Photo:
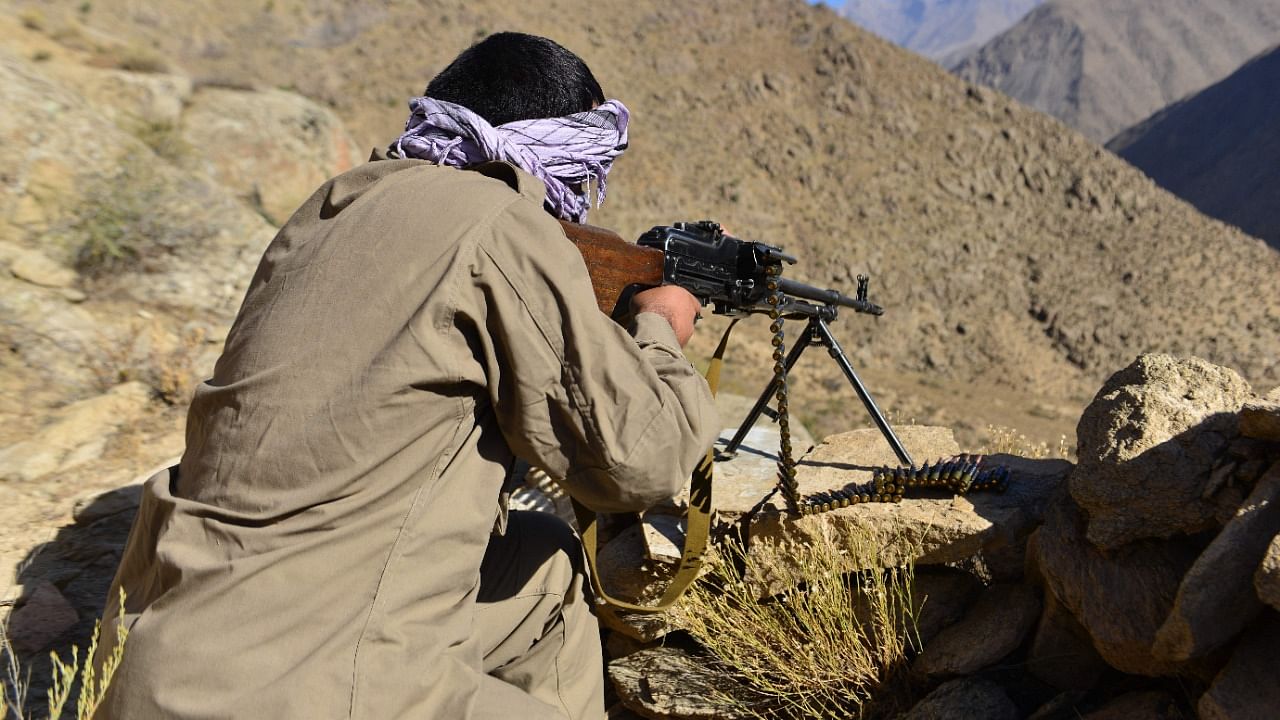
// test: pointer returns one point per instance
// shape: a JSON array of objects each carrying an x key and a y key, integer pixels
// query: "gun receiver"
[{"x": 730, "y": 274}]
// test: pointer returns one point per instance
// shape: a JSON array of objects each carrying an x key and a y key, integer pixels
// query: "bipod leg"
[
  {"x": 818, "y": 326},
  {"x": 792, "y": 357}
]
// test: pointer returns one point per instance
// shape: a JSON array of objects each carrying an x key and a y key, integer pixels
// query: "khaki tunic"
[{"x": 409, "y": 331}]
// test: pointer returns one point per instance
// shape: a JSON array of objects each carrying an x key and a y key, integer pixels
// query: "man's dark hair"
[{"x": 512, "y": 76}]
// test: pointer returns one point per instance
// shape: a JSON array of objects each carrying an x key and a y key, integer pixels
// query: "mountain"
[
  {"x": 1100, "y": 66},
  {"x": 944, "y": 30},
  {"x": 1019, "y": 264},
  {"x": 1220, "y": 148}
]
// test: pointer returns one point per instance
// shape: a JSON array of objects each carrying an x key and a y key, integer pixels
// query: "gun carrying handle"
[{"x": 615, "y": 265}]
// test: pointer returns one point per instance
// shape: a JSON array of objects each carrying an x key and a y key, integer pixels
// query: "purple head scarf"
[{"x": 561, "y": 152}]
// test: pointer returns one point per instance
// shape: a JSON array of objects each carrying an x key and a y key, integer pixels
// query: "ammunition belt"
[{"x": 959, "y": 475}]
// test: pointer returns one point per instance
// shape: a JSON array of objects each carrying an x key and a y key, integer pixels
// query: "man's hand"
[{"x": 672, "y": 302}]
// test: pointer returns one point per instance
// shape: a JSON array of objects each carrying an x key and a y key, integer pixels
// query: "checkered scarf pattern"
[{"x": 564, "y": 152}]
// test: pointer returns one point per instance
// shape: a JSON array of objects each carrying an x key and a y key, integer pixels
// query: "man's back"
[{"x": 318, "y": 553}]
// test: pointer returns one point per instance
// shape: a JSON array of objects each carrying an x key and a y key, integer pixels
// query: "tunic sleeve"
[{"x": 622, "y": 417}]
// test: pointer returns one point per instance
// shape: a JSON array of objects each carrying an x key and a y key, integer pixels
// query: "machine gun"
[{"x": 735, "y": 277}]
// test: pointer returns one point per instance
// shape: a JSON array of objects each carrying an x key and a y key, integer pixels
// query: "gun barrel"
[{"x": 827, "y": 297}]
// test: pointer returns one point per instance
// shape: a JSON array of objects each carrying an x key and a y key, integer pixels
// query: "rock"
[
  {"x": 77, "y": 435},
  {"x": 1062, "y": 654},
  {"x": 965, "y": 699},
  {"x": 666, "y": 682},
  {"x": 1246, "y": 689},
  {"x": 1217, "y": 598},
  {"x": 935, "y": 529},
  {"x": 271, "y": 147},
  {"x": 1150, "y": 705},
  {"x": 940, "y": 596},
  {"x": 129, "y": 98},
  {"x": 1261, "y": 420},
  {"x": 1147, "y": 444},
  {"x": 1267, "y": 580},
  {"x": 995, "y": 626},
  {"x": 1121, "y": 597},
  {"x": 36, "y": 268},
  {"x": 41, "y": 618}
]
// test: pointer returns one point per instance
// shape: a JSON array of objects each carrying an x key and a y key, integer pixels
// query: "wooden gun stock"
[{"x": 614, "y": 264}]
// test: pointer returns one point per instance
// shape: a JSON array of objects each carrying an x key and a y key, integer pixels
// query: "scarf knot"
[{"x": 568, "y": 154}]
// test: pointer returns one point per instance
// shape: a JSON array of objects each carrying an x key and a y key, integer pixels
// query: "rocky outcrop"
[
  {"x": 1147, "y": 445},
  {"x": 667, "y": 682},
  {"x": 928, "y": 529},
  {"x": 76, "y": 435},
  {"x": 1121, "y": 597},
  {"x": 1246, "y": 689},
  {"x": 270, "y": 147},
  {"x": 995, "y": 627},
  {"x": 1217, "y": 598}
]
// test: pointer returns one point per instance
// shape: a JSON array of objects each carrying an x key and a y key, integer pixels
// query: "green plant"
[
  {"x": 117, "y": 221},
  {"x": 833, "y": 644},
  {"x": 164, "y": 138}
]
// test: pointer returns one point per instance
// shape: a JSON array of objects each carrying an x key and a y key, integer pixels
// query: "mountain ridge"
[
  {"x": 1217, "y": 149},
  {"x": 1101, "y": 66}
]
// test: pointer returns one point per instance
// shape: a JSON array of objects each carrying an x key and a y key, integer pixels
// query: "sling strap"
[{"x": 697, "y": 531}]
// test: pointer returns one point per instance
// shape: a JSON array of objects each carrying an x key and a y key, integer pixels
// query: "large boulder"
[
  {"x": 1062, "y": 654},
  {"x": 271, "y": 147},
  {"x": 927, "y": 528},
  {"x": 965, "y": 699},
  {"x": 1217, "y": 597},
  {"x": 995, "y": 627},
  {"x": 1121, "y": 597},
  {"x": 1147, "y": 444},
  {"x": 666, "y": 682},
  {"x": 1246, "y": 689}
]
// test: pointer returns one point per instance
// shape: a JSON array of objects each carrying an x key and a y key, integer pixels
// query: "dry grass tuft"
[
  {"x": 1008, "y": 441},
  {"x": 92, "y": 688},
  {"x": 833, "y": 646}
]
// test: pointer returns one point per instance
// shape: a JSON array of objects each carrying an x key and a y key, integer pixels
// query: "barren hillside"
[
  {"x": 1101, "y": 66},
  {"x": 1018, "y": 262},
  {"x": 1220, "y": 148}
]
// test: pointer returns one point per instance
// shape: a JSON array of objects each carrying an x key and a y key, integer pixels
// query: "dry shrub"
[
  {"x": 1003, "y": 440},
  {"x": 833, "y": 646},
  {"x": 164, "y": 138},
  {"x": 91, "y": 686},
  {"x": 140, "y": 60}
]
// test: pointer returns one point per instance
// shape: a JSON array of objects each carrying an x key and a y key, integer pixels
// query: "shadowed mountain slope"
[
  {"x": 1220, "y": 148},
  {"x": 1101, "y": 66},
  {"x": 1019, "y": 263}
]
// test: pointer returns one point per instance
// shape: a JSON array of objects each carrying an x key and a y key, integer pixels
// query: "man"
[{"x": 332, "y": 544}]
